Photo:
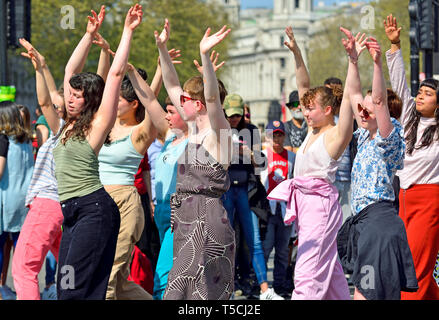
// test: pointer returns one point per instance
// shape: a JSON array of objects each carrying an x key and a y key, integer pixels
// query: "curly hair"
[
  {"x": 12, "y": 123},
  {"x": 92, "y": 86},
  {"x": 415, "y": 116},
  {"x": 327, "y": 97}
]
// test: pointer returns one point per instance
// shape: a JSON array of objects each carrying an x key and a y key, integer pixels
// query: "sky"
[{"x": 269, "y": 3}]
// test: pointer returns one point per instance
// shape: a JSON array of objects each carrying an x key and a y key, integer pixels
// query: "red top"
[
  {"x": 277, "y": 168},
  {"x": 138, "y": 177}
]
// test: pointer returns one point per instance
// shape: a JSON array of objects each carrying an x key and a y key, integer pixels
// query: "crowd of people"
[{"x": 188, "y": 200}]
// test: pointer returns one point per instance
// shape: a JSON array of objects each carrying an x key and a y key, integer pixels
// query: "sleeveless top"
[
  {"x": 204, "y": 241},
  {"x": 119, "y": 162},
  {"x": 316, "y": 162},
  {"x": 76, "y": 169},
  {"x": 166, "y": 169},
  {"x": 14, "y": 184}
]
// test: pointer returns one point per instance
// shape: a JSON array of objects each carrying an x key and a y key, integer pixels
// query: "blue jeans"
[
  {"x": 278, "y": 237},
  {"x": 50, "y": 268},
  {"x": 235, "y": 200}
]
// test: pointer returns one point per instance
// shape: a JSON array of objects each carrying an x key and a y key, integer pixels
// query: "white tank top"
[{"x": 316, "y": 162}]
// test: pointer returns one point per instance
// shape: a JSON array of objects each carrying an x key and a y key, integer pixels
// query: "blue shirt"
[
  {"x": 375, "y": 165},
  {"x": 13, "y": 185}
]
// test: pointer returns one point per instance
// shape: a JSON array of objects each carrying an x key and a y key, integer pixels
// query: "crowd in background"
[{"x": 119, "y": 181}]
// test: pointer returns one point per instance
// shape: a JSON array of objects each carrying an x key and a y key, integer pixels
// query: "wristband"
[{"x": 395, "y": 42}]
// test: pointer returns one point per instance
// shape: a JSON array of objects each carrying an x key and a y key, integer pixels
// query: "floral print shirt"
[{"x": 375, "y": 165}]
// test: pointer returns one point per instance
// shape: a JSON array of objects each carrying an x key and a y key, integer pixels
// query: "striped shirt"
[{"x": 43, "y": 183}]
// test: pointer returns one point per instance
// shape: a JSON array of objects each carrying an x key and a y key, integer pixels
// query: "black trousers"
[{"x": 88, "y": 245}]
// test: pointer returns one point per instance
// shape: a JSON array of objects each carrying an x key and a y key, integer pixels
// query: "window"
[
  {"x": 282, "y": 40},
  {"x": 282, "y": 86},
  {"x": 297, "y": 4},
  {"x": 282, "y": 63}
]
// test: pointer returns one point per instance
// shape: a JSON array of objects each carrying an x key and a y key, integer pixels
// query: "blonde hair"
[{"x": 195, "y": 87}]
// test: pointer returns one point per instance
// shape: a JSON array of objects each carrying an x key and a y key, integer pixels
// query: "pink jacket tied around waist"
[{"x": 287, "y": 191}]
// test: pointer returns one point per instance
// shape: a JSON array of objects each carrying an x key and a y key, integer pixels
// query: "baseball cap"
[
  {"x": 293, "y": 99},
  {"x": 275, "y": 126},
  {"x": 233, "y": 104}
]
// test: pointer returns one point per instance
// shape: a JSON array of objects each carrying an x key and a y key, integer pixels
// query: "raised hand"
[
  {"x": 101, "y": 42},
  {"x": 161, "y": 39},
  {"x": 292, "y": 44},
  {"x": 374, "y": 49},
  {"x": 360, "y": 43},
  {"x": 36, "y": 58},
  {"x": 391, "y": 29},
  {"x": 349, "y": 45},
  {"x": 210, "y": 41},
  {"x": 134, "y": 17},
  {"x": 214, "y": 59},
  {"x": 95, "y": 21}
]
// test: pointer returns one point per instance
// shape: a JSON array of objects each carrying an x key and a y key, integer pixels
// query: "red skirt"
[{"x": 419, "y": 209}]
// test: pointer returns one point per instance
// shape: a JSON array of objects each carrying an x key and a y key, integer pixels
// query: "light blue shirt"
[
  {"x": 119, "y": 162},
  {"x": 375, "y": 165},
  {"x": 13, "y": 186}
]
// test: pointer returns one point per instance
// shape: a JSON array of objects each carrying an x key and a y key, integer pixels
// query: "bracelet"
[{"x": 399, "y": 41}]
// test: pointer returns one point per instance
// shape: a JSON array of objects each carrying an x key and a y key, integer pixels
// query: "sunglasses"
[
  {"x": 247, "y": 115},
  {"x": 184, "y": 98},
  {"x": 365, "y": 112},
  {"x": 294, "y": 104}
]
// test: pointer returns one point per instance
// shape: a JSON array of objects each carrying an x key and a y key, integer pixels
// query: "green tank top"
[{"x": 76, "y": 169}]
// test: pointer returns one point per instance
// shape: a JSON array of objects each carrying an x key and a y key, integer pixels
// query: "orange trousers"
[{"x": 419, "y": 209}]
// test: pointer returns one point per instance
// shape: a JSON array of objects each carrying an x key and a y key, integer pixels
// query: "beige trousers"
[{"x": 132, "y": 221}]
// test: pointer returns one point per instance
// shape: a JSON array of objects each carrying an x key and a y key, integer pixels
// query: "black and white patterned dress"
[{"x": 204, "y": 241}]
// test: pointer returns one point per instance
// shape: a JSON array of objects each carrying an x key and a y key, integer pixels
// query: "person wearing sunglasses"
[
  {"x": 296, "y": 128},
  {"x": 419, "y": 179},
  {"x": 204, "y": 241},
  {"x": 380, "y": 241}
]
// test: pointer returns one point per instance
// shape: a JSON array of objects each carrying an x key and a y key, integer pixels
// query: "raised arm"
[
  {"x": 43, "y": 95},
  {"x": 107, "y": 112},
  {"x": 211, "y": 92},
  {"x": 395, "y": 63},
  {"x": 79, "y": 56},
  {"x": 156, "y": 83},
  {"x": 353, "y": 48},
  {"x": 302, "y": 75},
  {"x": 56, "y": 97},
  {"x": 104, "y": 57},
  {"x": 379, "y": 92},
  {"x": 170, "y": 76}
]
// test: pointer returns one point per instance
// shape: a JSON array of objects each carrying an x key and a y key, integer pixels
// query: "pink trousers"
[
  {"x": 313, "y": 203},
  {"x": 40, "y": 233}
]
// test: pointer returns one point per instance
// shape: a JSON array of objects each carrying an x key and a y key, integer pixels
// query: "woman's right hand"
[
  {"x": 134, "y": 17},
  {"x": 95, "y": 21},
  {"x": 349, "y": 45},
  {"x": 391, "y": 29},
  {"x": 36, "y": 58},
  {"x": 101, "y": 42},
  {"x": 163, "y": 38}
]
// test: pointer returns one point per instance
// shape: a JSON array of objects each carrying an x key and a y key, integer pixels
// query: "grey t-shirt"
[{"x": 294, "y": 135}]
